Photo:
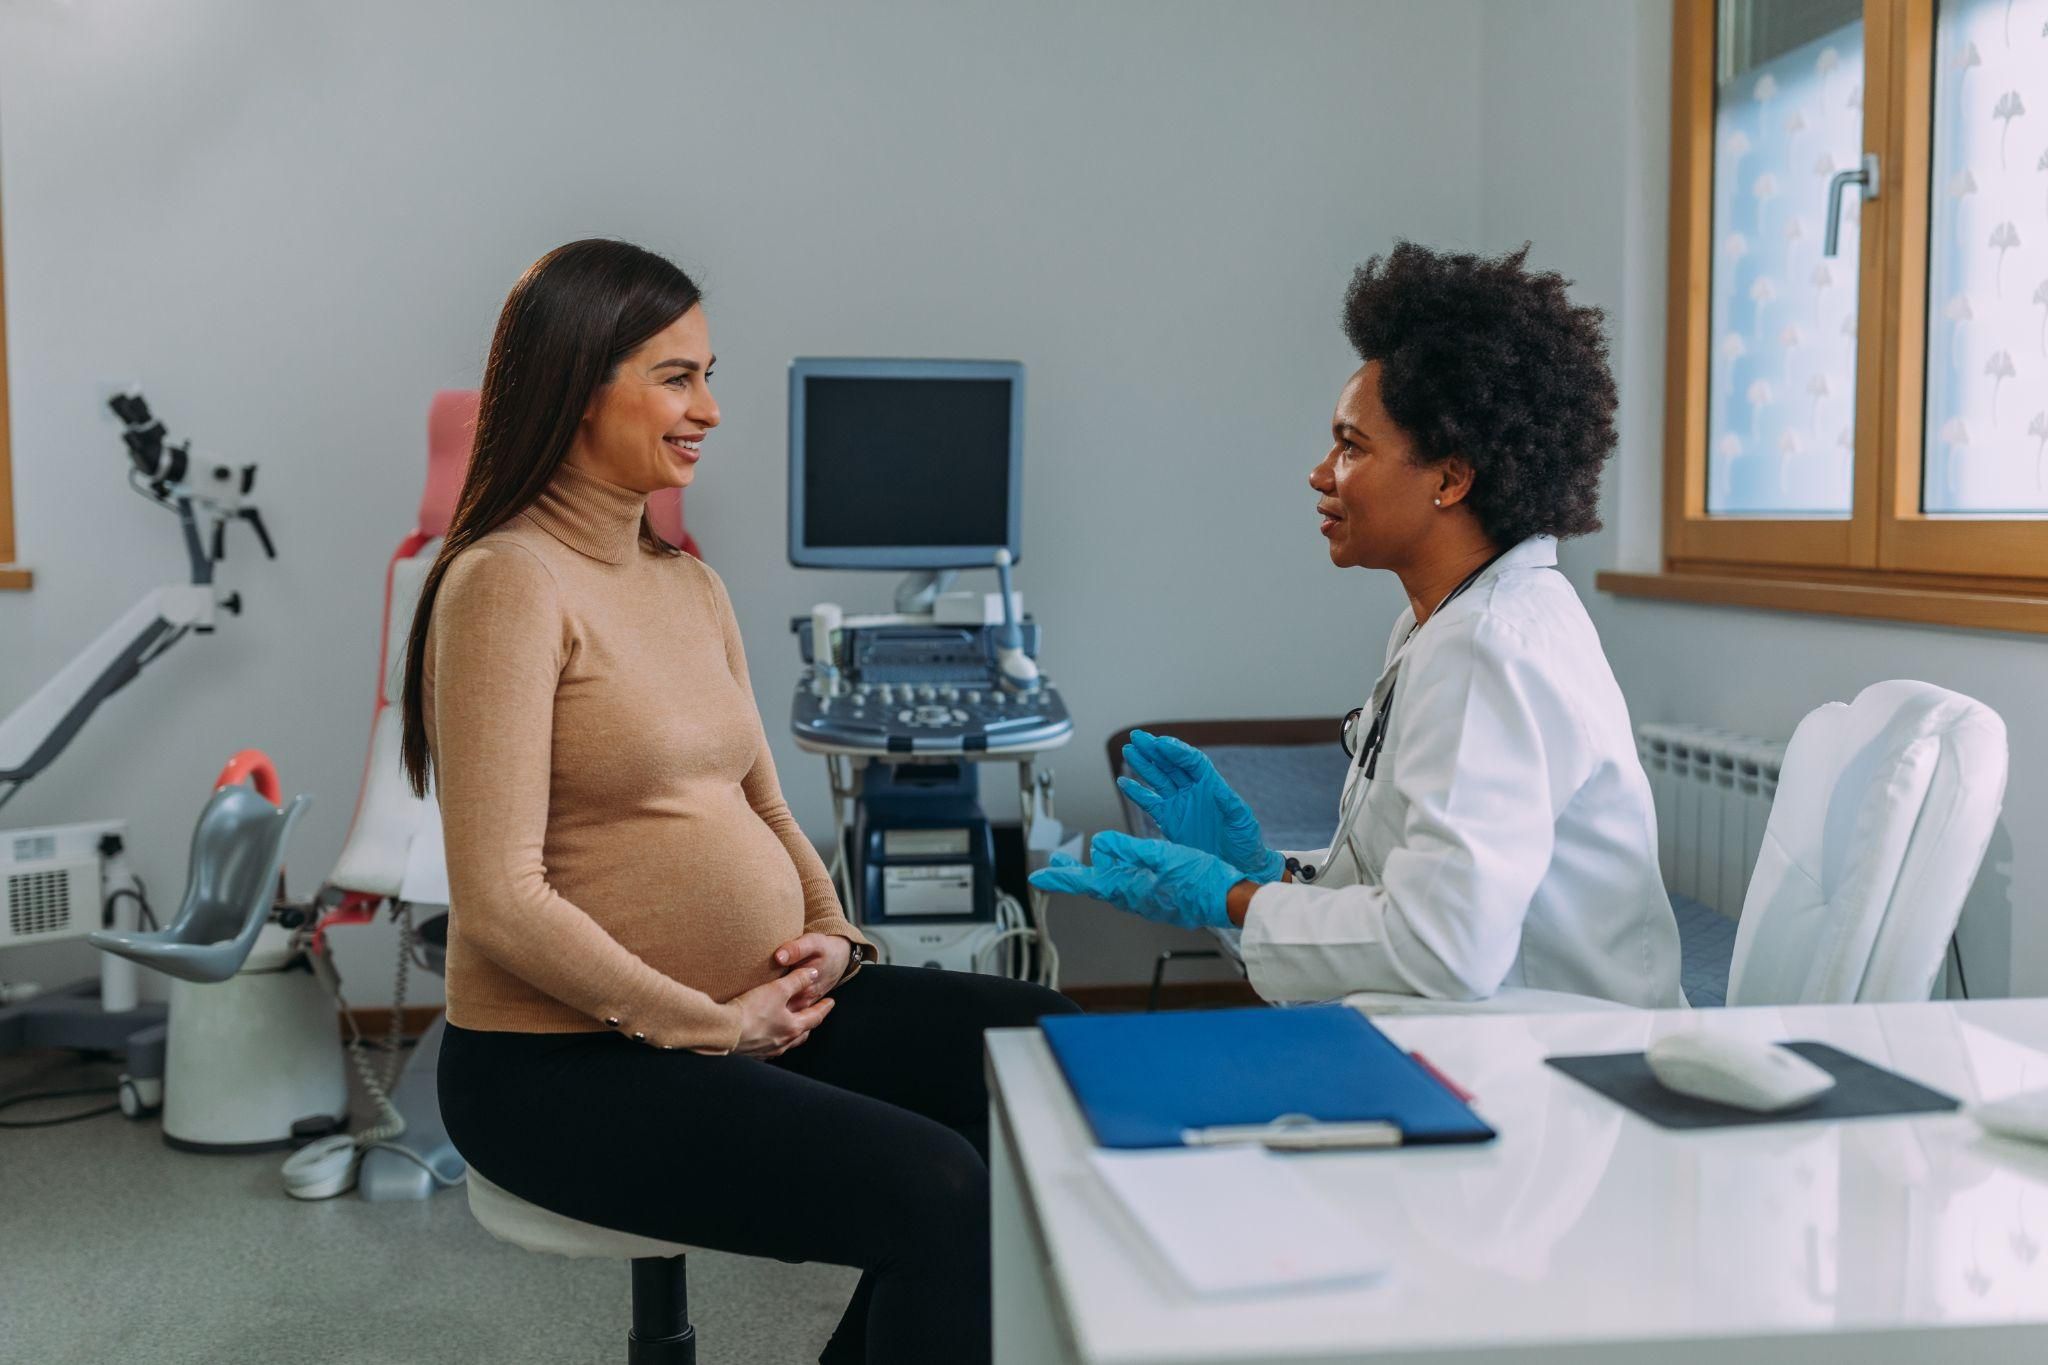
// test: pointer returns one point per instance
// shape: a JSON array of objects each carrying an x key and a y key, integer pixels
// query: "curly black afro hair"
[{"x": 1482, "y": 358}]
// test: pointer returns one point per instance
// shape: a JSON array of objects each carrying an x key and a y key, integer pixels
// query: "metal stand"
[
  {"x": 916, "y": 593},
  {"x": 71, "y": 1017},
  {"x": 662, "y": 1334},
  {"x": 387, "y": 1176}
]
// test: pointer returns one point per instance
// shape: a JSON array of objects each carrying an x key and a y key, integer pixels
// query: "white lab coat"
[{"x": 1508, "y": 838}]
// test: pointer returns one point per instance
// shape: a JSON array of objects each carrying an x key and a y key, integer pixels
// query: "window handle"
[{"x": 1864, "y": 176}]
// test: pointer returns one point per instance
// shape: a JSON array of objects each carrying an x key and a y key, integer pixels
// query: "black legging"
[{"x": 867, "y": 1146}]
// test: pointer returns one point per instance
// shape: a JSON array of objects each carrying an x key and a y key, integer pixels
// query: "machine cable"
[
  {"x": 11, "y": 1100},
  {"x": 326, "y": 1168}
]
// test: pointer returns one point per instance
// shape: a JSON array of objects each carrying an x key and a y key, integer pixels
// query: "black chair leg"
[
  {"x": 661, "y": 1334},
  {"x": 1159, "y": 971}
]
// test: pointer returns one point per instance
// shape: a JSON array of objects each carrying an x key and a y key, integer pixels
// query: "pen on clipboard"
[{"x": 1296, "y": 1133}]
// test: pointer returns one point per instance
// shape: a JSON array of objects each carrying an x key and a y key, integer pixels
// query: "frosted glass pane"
[
  {"x": 1987, "y": 269},
  {"x": 1782, "y": 374}
]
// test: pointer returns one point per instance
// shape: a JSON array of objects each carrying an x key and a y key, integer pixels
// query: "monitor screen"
[{"x": 903, "y": 464}]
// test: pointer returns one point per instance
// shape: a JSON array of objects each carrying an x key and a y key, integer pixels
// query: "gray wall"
[{"x": 293, "y": 223}]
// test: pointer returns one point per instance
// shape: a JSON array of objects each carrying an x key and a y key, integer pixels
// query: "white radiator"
[{"x": 1713, "y": 790}]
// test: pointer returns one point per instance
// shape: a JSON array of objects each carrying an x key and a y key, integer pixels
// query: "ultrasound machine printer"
[{"x": 914, "y": 466}]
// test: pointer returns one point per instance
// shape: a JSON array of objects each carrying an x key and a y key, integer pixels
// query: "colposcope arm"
[{"x": 38, "y": 730}]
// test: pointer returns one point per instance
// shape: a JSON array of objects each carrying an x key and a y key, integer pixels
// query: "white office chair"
[
  {"x": 1883, "y": 812},
  {"x": 661, "y": 1334}
]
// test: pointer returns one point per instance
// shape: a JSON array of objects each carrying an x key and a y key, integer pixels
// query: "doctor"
[{"x": 1495, "y": 827}]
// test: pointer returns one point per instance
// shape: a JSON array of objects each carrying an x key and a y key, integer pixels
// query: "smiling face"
[
  {"x": 646, "y": 424},
  {"x": 1376, "y": 500}
]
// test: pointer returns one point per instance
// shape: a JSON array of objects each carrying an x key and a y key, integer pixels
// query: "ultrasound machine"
[{"x": 914, "y": 466}]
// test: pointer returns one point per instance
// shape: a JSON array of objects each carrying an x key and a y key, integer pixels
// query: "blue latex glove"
[
  {"x": 1149, "y": 877},
  {"x": 1181, "y": 790}
]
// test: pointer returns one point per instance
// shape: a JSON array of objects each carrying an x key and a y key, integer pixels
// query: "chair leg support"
[
  {"x": 662, "y": 1334},
  {"x": 1159, "y": 971}
]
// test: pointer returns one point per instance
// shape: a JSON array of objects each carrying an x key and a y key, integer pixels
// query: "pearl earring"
[{"x": 1439, "y": 502}]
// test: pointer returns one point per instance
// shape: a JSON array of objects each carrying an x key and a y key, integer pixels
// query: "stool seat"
[{"x": 511, "y": 1219}]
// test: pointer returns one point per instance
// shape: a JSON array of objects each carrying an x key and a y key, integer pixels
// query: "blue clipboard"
[{"x": 1149, "y": 1080}]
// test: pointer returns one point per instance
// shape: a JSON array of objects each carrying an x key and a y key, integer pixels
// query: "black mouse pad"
[{"x": 1861, "y": 1091}]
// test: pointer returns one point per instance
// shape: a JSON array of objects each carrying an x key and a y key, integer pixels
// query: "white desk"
[{"x": 1583, "y": 1234}]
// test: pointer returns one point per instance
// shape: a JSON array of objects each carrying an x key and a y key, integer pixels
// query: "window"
[
  {"x": 10, "y": 575},
  {"x": 1987, "y": 266},
  {"x": 1857, "y": 411},
  {"x": 1782, "y": 317}
]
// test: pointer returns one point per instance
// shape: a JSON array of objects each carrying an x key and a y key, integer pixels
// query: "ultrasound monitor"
[{"x": 904, "y": 464}]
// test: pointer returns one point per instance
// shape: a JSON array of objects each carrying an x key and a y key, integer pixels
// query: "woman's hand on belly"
[
  {"x": 771, "y": 1020},
  {"x": 827, "y": 953}
]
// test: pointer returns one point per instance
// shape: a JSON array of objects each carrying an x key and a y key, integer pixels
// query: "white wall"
[
  {"x": 1576, "y": 121},
  {"x": 293, "y": 223}
]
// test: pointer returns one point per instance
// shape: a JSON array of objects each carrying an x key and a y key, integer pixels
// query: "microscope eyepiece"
[{"x": 130, "y": 408}]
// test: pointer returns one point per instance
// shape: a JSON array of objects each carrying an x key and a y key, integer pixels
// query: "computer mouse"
[
  {"x": 1760, "y": 1077},
  {"x": 2023, "y": 1116}
]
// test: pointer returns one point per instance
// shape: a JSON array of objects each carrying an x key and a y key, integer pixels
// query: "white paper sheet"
[{"x": 1237, "y": 1220}]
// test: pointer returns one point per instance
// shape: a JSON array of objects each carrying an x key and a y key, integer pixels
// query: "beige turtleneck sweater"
[{"x": 619, "y": 852}]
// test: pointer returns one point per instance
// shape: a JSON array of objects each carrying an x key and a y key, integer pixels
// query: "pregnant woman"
[{"x": 658, "y": 1017}]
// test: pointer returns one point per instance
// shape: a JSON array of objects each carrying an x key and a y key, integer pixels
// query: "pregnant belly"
[{"x": 705, "y": 899}]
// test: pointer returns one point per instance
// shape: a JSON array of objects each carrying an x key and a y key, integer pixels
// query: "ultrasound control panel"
[{"x": 899, "y": 689}]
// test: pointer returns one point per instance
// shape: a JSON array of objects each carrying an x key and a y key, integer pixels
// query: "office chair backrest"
[
  {"x": 1883, "y": 812},
  {"x": 1289, "y": 771}
]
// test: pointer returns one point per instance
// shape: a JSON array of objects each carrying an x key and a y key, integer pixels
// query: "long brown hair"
[{"x": 574, "y": 315}]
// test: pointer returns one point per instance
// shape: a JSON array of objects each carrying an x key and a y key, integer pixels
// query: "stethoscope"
[{"x": 1366, "y": 755}]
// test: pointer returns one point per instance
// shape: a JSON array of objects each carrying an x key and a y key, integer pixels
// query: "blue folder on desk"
[{"x": 1145, "y": 1079}]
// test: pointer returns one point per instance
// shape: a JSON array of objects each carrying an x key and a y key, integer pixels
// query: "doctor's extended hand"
[
  {"x": 1150, "y": 877},
  {"x": 1181, "y": 790}
]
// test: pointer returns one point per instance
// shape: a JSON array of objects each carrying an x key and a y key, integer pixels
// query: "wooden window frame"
[
  {"x": 1887, "y": 559},
  {"x": 12, "y": 575}
]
